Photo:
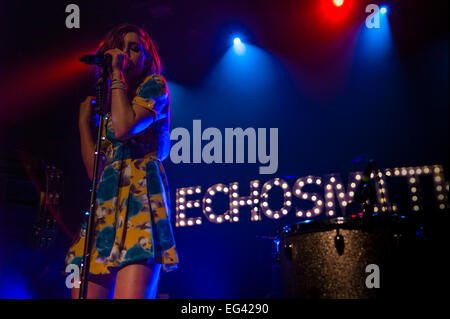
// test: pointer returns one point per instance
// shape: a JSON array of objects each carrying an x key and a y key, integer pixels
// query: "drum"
[{"x": 347, "y": 258}]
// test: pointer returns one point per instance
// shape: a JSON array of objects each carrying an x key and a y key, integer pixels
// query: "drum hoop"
[{"x": 347, "y": 223}]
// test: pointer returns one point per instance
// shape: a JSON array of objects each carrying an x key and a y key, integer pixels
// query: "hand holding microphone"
[
  {"x": 115, "y": 59},
  {"x": 112, "y": 63},
  {"x": 119, "y": 60}
]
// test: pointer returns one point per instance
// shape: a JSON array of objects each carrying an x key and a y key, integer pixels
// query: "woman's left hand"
[{"x": 119, "y": 59}]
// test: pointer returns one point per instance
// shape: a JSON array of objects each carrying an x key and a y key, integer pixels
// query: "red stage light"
[
  {"x": 334, "y": 11},
  {"x": 31, "y": 83}
]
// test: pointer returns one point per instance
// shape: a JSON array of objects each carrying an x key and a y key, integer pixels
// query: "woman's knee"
[
  {"x": 137, "y": 280},
  {"x": 99, "y": 287},
  {"x": 75, "y": 293}
]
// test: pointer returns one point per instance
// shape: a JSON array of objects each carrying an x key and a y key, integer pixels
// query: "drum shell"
[{"x": 315, "y": 264}]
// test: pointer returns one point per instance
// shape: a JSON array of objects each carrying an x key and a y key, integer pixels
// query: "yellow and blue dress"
[{"x": 132, "y": 217}]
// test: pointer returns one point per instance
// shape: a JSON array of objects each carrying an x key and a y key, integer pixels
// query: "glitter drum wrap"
[{"x": 327, "y": 259}]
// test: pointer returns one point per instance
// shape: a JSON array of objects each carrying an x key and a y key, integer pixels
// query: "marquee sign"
[{"x": 334, "y": 193}]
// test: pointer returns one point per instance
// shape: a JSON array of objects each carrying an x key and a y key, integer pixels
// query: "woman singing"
[{"x": 133, "y": 237}]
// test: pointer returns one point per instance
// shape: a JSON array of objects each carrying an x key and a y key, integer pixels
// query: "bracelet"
[{"x": 118, "y": 84}]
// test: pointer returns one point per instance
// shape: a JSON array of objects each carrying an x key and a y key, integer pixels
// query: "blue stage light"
[
  {"x": 238, "y": 46},
  {"x": 383, "y": 10}
]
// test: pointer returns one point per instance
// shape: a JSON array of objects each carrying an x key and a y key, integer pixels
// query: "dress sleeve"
[{"x": 153, "y": 94}]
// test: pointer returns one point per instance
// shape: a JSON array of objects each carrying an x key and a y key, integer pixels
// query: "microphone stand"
[
  {"x": 100, "y": 108},
  {"x": 364, "y": 193}
]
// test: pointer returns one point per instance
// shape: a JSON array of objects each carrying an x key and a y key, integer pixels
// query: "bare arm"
[
  {"x": 86, "y": 140},
  {"x": 128, "y": 119}
]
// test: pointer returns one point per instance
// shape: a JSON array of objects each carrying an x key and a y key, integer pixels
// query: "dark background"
[{"x": 335, "y": 90}]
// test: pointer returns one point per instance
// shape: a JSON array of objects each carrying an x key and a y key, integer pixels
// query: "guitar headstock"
[{"x": 46, "y": 228}]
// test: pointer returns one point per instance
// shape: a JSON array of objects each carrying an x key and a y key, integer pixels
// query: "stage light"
[
  {"x": 383, "y": 10},
  {"x": 338, "y": 3},
  {"x": 238, "y": 46}
]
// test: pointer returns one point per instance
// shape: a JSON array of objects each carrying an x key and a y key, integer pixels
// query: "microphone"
[{"x": 97, "y": 59}]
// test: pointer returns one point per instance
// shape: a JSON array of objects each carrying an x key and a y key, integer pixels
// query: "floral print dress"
[{"x": 132, "y": 218}]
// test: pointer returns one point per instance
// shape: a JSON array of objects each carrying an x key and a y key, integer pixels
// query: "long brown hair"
[{"x": 114, "y": 39}]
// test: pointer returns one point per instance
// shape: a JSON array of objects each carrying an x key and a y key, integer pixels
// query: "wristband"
[{"x": 118, "y": 84}]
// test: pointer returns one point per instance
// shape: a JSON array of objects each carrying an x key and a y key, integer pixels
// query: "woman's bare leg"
[
  {"x": 137, "y": 281},
  {"x": 98, "y": 289}
]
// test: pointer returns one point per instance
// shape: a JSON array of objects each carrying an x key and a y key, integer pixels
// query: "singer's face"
[{"x": 134, "y": 48}]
